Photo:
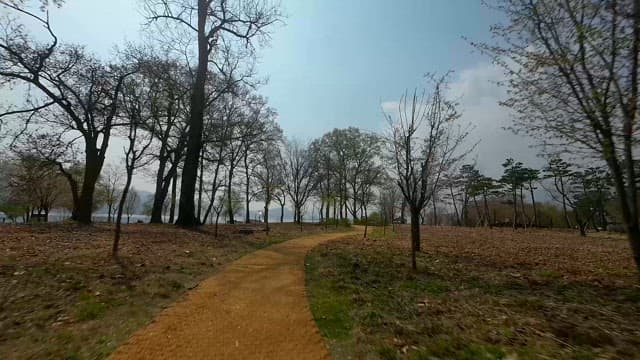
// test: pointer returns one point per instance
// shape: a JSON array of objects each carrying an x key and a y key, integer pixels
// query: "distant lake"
[{"x": 274, "y": 217}]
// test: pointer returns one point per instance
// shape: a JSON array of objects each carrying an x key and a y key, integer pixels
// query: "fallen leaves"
[
  {"x": 62, "y": 295},
  {"x": 481, "y": 293}
]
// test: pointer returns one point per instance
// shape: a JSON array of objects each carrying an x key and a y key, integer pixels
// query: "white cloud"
[
  {"x": 478, "y": 83},
  {"x": 478, "y": 93},
  {"x": 389, "y": 107},
  {"x": 479, "y": 96}
]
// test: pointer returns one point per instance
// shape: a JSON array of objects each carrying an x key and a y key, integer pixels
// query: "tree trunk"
[
  {"x": 384, "y": 225},
  {"x": 633, "y": 228},
  {"x": 326, "y": 216},
  {"x": 633, "y": 234},
  {"x": 123, "y": 199},
  {"x": 354, "y": 213},
  {"x": 200, "y": 188},
  {"x": 247, "y": 214},
  {"x": 477, "y": 207},
  {"x": 229, "y": 200},
  {"x": 160, "y": 195},
  {"x": 455, "y": 207},
  {"x": 535, "y": 220},
  {"x": 215, "y": 231},
  {"x": 515, "y": 206},
  {"x": 186, "y": 214},
  {"x": 172, "y": 208},
  {"x": 564, "y": 204},
  {"x": 464, "y": 211},
  {"x": 327, "y": 211},
  {"x": 158, "y": 199},
  {"x": 486, "y": 210},
  {"x": 335, "y": 213},
  {"x": 366, "y": 222},
  {"x": 266, "y": 217},
  {"x": 524, "y": 213},
  {"x": 214, "y": 190},
  {"x": 281, "y": 213},
  {"x": 415, "y": 236},
  {"x": 435, "y": 212},
  {"x": 92, "y": 169}
]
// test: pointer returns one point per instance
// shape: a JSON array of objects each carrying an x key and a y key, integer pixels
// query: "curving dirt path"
[{"x": 254, "y": 309}]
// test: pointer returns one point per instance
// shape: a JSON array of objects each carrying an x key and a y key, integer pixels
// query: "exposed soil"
[
  {"x": 255, "y": 309},
  {"x": 63, "y": 297}
]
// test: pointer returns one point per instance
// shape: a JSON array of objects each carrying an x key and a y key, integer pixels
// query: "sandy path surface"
[{"x": 254, "y": 309}]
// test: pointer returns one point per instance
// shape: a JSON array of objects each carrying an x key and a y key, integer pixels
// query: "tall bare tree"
[
  {"x": 280, "y": 196},
  {"x": 300, "y": 181},
  {"x": 137, "y": 98},
  {"x": 424, "y": 140},
  {"x": 210, "y": 23},
  {"x": 66, "y": 89},
  {"x": 269, "y": 175},
  {"x": 168, "y": 115},
  {"x": 572, "y": 70},
  {"x": 112, "y": 183}
]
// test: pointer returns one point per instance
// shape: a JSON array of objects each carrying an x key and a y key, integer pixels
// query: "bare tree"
[
  {"x": 260, "y": 129},
  {"x": 112, "y": 182},
  {"x": 280, "y": 196},
  {"x": 388, "y": 202},
  {"x": 424, "y": 140},
  {"x": 371, "y": 178},
  {"x": 216, "y": 155},
  {"x": 572, "y": 71},
  {"x": 130, "y": 205},
  {"x": 34, "y": 184},
  {"x": 211, "y": 22},
  {"x": 67, "y": 89},
  {"x": 218, "y": 207},
  {"x": 269, "y": 175},
  {"x": 169, "y": 119},
  {"x": 137, "y": 97},
  {"x": 300, "y": 181}
]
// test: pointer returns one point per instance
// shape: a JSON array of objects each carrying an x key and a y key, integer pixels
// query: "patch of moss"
[{"x": 90, "y": 309}]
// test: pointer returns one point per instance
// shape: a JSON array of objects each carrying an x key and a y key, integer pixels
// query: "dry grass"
[
  {"x": 63, "y": 297},
  {"x": 478, "y": 293}
]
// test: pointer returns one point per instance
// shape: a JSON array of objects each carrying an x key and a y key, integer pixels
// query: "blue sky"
[
  {"x": 335, "y": 63},
  {"x": 332, "y": 62}
]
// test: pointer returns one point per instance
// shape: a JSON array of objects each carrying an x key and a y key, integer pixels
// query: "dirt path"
[{"x": 255, "y": 309}]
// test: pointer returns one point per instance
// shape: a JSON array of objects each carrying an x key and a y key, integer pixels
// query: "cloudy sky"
[{"x": 333, "y": 63}]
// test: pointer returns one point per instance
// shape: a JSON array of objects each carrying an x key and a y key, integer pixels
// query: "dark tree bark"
[
  {"x": 216, "y": 19},
  {"x": 201, "y": 189},
  {"x": 282, "y": 213},
  {"x": 535, "y": 220},
  {"x": 415, "y": 236},
  {"x": 421, "y": 154},
  {"x": 186, "y": 213},
  {"x": 247, "y": 190},
  {"x": 83, "y": 90},
  {"x": 172, "y": 207}
]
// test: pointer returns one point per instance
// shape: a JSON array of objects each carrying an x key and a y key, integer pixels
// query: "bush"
[
  {"x": 374, "y": 219},
  {"x": 339, "y": 222}
]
